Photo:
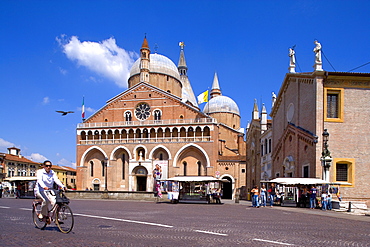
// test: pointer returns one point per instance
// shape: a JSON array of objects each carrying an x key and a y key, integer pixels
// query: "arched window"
[
  {"x": 123, "y": 166},
  {"x": 199, "y": 168},
  {"x": 102, "y": 168},
  {"x": 157, "y": 115},
  {"x": 83, "y": 135},
  {"x": 92, "y": 168},
  {"x": 266, "y": 147},
  {"x": 270, "y": 146},
  {"x": 185, "y": 167},
  {"x": 160, "y": 156},
  {"x": 128, "y": 116}
]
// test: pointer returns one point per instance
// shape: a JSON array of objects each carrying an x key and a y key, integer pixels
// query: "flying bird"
[{"x": 65, "y": 112}]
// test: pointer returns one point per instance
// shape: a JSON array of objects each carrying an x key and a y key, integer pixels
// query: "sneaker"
[{"x": 40, "y": 216}]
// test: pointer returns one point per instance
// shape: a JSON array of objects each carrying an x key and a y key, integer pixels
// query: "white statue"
[
  {"x": 141, "y": 155},
  {"x": 292, "y": 56},
  {"x": 317, "y": 51},
  {"x": 273, "y": 99}
]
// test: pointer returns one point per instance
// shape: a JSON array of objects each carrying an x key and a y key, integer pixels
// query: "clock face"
[{"x": 142, "y": 111}]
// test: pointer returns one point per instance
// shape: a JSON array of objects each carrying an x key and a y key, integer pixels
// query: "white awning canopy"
[
  {"x": 196, "y": 179},
  {"x": 303, "y": 181},
  {"x": 20, "y": 178}
]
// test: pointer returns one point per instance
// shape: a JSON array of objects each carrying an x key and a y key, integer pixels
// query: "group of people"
[
  {"x": 259, "y": 196},
  {"x": 18, "y": 192},
  {"x": 326, "y": 203}
]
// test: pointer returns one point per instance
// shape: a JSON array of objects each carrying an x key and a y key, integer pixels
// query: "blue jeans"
[
  {"x": 330, "y": 206},
  {"x": 255, "y": 201},
  {"x": 263, "y": 200},
  {"x": 312, "y": 202},
  {"x": 324, "y": 205},
  {"x": 272, "y": 199}
]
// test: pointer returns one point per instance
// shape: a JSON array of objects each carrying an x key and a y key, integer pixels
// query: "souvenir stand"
[
  {"x": 294, "y": 191},
  {"x": 193, "y": 188}
]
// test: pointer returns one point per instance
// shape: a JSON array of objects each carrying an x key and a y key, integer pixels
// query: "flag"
[
  {"x": 83, "y": 108},
  {"x": 203, "y": 97}
]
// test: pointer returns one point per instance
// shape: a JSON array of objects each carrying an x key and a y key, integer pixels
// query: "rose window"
[{"x": 142, "y": 111}]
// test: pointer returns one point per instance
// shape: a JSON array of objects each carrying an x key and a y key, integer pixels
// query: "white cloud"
[
  {"x": 87, "y": 109},
  {"x": 45, "y": 100},
  {"x": 104, "y": 58},
  {"x": 37, "y": 157},
  {"x": 4, "y": 145},
  {"x": 63, "y": 71},
  {"x": 64, "y": 162}
]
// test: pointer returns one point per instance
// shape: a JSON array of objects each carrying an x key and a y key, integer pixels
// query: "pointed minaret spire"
[
  {"x": 263, "y": 118},
  {"x": 187, "y": 90},
  {"x": 255, "y": 113},
  {"x": 215, "y": 91},
  {"x": 144, "y": 61},
  {"x": 183, "y": 69}
]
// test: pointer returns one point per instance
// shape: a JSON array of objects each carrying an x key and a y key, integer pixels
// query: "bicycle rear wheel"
[
  {"x": 64, "y": 218},
  {"x": 39, "y": 223}
]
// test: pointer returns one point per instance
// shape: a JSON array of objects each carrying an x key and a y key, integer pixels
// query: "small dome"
[
  {"x": 158, "y": 64},
  {"x": 221, "y": 104}
]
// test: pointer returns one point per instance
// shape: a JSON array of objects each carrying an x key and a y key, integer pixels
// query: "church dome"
[
  {"x": 158, "y": 64},
  {"x": 221, "y": 104}
]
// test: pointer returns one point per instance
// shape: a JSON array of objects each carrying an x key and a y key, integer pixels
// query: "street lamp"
[
  {"x": 325, "y": 156},
  {"x": 105, "y": 167}
]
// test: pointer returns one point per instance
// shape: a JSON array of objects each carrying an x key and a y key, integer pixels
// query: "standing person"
[
  {"x": 313, "y": 193},
  {"x": 272, "y": 192},
  {"x": 263, "y": 196},
  {"x": 1, "y": 190},
  {"x": 18, "y": 191},
  {"x": 157, "y": 175},
  {"x": 43, "y": 189},
  {"x": 324, "y": 200},
  {"x": 255, "y": 193},
  {"x": 330, "y": 205}
]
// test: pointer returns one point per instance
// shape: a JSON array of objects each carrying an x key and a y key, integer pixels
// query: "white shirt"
[{"x": 45, "y": 179}]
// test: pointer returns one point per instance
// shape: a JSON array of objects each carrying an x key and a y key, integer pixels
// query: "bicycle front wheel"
[
  {"x": 39, "y": 223},
  {"x": 64, "y": 218}
]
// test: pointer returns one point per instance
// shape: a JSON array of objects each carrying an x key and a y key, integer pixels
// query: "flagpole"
[
  {"x": 208, "y": 102},
  {"x": 83, "y": 109}
]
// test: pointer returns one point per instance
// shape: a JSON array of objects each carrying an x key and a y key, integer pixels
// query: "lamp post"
[
  {"x": 325, "y": 156},
  {"x": 105, "y": 166}
]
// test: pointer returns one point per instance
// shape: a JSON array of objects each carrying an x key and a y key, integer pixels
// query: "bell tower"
[{"x": 144, "y": 61}]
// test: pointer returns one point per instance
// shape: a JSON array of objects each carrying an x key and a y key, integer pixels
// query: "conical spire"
[
  {"x": 182, "y": 62},
  {"x": 145, "y": 43},
  {"x": 263, "y": 118},
  {"x": 187, "y": 90},
  {"x": 216, "y": 91},
  {"x": 255, "y": 110}
]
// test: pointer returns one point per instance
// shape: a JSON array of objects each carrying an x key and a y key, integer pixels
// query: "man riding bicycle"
[{"x": 43, "y": 189}]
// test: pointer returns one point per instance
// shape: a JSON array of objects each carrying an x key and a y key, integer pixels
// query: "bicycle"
[{"x": 60, "y": 213}]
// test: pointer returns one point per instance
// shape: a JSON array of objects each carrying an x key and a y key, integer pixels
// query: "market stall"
[
  {"x": 294, "y": 191},
  {"x": 193, "y": 188},
  {"x": 20, "y": 186}
]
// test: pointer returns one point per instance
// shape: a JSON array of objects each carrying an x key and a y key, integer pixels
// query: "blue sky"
[{"x": 52, "y": 53}]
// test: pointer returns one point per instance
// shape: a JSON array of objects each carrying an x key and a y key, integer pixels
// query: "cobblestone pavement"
[{"x": 139, "y": 223}]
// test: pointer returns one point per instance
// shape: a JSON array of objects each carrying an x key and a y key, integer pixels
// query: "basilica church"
[{"x": 157, "y": 121}]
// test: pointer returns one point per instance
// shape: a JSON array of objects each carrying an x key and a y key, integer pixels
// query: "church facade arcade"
[{"x": 157, "y": 121}]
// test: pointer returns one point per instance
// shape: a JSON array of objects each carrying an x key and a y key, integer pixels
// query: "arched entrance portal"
[
  {"x": 141, "y": 175},
  {"x": 227, "y": 188},
  {"x": 96, "y": 184}
]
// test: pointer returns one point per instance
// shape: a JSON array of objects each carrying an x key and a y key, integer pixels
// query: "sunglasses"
[{"x": 47, "y": 165}]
